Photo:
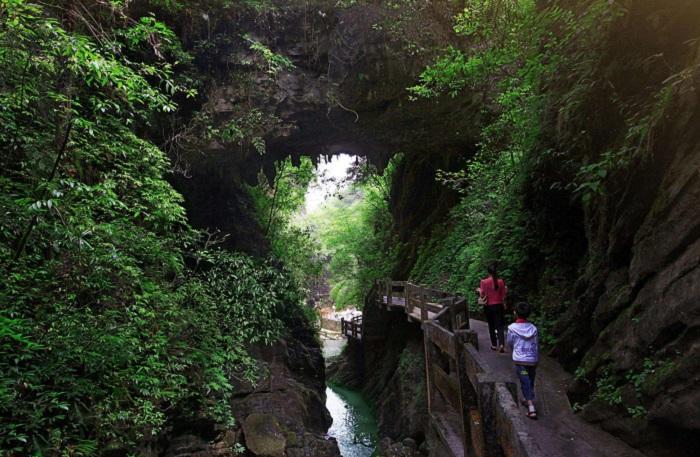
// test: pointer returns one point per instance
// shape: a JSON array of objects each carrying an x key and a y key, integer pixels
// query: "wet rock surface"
[
  {"x": 263, "y": 435},
  {"x": 404, "y": 448},
  {"x": 347, "y": 369}
]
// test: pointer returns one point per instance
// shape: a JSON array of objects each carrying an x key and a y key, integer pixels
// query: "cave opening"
[{"x": 327, "y": 219}]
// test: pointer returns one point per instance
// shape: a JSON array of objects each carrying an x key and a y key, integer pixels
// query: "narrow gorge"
[{"x": 177, "y": 251}]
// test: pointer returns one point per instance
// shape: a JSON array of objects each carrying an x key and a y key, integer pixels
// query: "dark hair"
[
  {"x": 494, "y": 273},
  {"x": 522, "y": 309}
]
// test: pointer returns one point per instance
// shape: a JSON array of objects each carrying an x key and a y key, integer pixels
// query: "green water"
[{"x": 354, "y": 423}]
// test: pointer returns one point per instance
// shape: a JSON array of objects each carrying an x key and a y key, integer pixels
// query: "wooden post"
[
  {"x": 407, "y": 292},
  {"x": 468, "y": 404},
  {"x": 463, "y": 409},
  {"x": 389, "y": 292},
  {"x": 342, "y": 326},
  {"x": 427, "y": 349},
  {"x": 423, "y": 305},
  {"x": 454, "y": 319}
]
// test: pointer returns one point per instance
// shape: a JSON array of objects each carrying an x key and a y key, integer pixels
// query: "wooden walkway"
[
  {"x": 351, "y": 328},
  {"x": 472, "y": 396}
]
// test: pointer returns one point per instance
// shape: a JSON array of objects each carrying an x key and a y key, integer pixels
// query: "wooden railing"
[
  {"x": 471, "y": 410},
  {"x": 352, "y": 328},
  {"x": 464, "y": 402},
  {"x": 423, "y": 303}
]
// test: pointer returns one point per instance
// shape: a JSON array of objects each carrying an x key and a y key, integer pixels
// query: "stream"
[{"x": 354, "y": 423}]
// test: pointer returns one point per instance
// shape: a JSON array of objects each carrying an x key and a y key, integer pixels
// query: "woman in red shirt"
[{"x": 492, "y": 291}]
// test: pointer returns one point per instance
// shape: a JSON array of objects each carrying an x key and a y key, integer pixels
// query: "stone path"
[{"x": 558, "y": 432}]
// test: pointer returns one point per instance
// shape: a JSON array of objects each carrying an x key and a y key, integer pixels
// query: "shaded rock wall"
[
  {"x": 348, "y": 369},
  {"x": 635, "y": 313},
  {"x": 345, "y": 94},
  {"x": 395, "y": 373},
  {"x": 283, "y": 414},
  {"x": 641, "y": 295},
  {"x": 418, "y": 202}
]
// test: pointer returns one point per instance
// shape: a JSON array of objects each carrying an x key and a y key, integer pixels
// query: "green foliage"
[
  {"x": 345, "y": 3},
  {"x": 273, "y": 63},
  {"x": 247, "y": 130},
  {"x": 488, "y": 225},
  {"x": 629, "y": 390},
  {"x": 608, "y": 389},
  {"x": 522, "y": 53},
  {"x": 352, "y": 230},
  {"x": 175, "y": 6},
  {"x": 104, "y": 331},
  {"x": 277, "y": 205},
  {"x": 355, "y": 232},
  {"x": 413, "y": 28}
]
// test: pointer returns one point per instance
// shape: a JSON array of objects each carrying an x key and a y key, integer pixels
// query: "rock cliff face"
[
  {"x": 346, "y": 93},
  {"x": 284, "y": 414},
  {"x": 387, "y": 365},
  {"x": 640, "y": 311},
  {"x": 636, "y": 317},
  {"x": 395, "y": 379}
]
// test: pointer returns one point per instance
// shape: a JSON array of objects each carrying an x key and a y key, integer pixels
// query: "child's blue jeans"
[{"x": 526, "y": 374}]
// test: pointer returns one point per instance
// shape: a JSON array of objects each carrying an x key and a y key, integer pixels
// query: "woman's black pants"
[{"x": 496, "y": 319}]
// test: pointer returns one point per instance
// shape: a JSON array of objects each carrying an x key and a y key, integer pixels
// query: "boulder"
[{"x": 264, "y": 436}]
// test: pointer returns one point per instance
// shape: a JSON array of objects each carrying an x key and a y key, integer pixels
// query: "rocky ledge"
[{"x": 282, "y": 415}]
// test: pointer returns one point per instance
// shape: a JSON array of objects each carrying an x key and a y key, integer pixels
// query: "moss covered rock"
[{"x": 264, "y": 436}]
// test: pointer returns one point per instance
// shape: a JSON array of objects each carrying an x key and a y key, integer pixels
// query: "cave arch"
[{"x": 347, "y": 93}]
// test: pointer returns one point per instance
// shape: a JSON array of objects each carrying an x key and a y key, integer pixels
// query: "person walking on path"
[
  {"x": 523, "y": 339},
  {"x": 492, "y": 294}
]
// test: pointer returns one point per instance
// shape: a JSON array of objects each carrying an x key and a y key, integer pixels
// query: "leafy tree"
[
  {"x": 355, "y": 232},
  {"x": 278, "y": 204},
  {"x": 105, "y": 333}
]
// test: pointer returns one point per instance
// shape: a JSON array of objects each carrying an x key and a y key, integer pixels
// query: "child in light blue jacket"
[{"x": 523, "y": 338}]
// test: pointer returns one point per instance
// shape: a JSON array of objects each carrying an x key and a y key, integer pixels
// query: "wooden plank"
[
  {"x": 434, "y": 307},
  {"x": 389, "y": 293},
  {"x": 415, "y": 316},
  {"x": 460, "y": 314},
  {"x": 473, "y": 364},
  {"x": 438, "y": 293},
  {"x": 399, "y": 302},
  {"x": 379, "y": 285},
  {"x": 442, "y": 339},
  {"x": 447, "y": 385},
  {"x": 428, "y": 352}
]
